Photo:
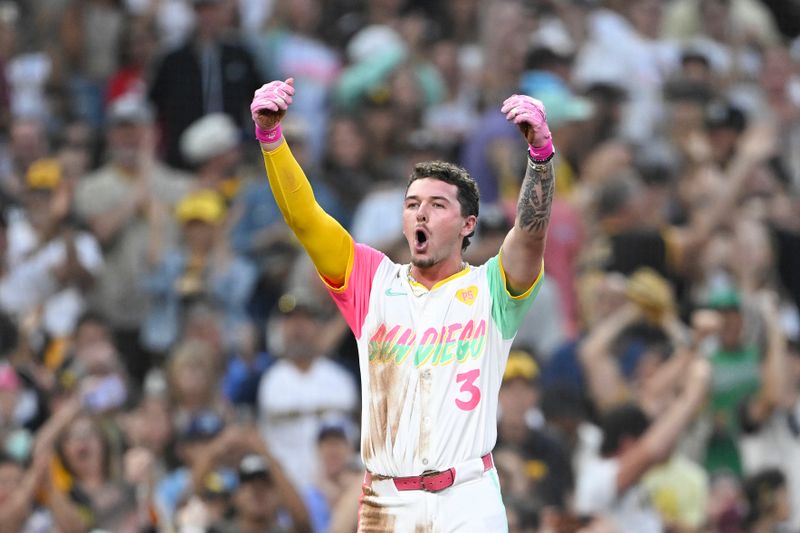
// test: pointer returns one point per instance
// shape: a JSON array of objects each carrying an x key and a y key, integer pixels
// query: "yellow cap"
[
  {"x": 205, "y": 205},
  {"x": 44, "y": 174},
  {"x": 520, "y": 365}
]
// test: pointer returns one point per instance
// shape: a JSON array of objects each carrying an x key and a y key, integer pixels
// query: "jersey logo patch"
[
  {"x": 390, "y": 292},
  {"x": 467, "y": 295}
]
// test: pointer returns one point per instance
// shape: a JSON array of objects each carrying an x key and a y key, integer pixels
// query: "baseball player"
[{"x": 433, "y": 335}]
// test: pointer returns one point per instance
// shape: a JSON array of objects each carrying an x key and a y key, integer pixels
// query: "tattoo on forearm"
[{"x": 536, "y": 196}]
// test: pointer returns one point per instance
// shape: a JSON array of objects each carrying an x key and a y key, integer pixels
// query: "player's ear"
[{"x": 469, "y": 225}]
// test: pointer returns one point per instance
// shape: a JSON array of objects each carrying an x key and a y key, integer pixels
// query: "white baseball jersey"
[{"x": 431, "y": 361}]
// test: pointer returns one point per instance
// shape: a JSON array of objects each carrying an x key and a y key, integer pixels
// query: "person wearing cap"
[
  {"x": 211, "y": 72},
  {"x": 638, "y": 351},
  {"x": 518, "y": 393},
  {"x": 520, "y": 429},
  {"x": 211, "y": 147},
  {"x": 194, "y": 439},
  {"x": 50, "y": 264},
  {"x": 124, "y": 204},
  {"x": 770, "y": 418},
  {"x": 257, "y": 499},
  {"x": 27, "y": 142},
  {"x": 339, "y": 471},
  {"x": 635, "y": 229},
  {"x": 768, "y": 503},
  {"x": 736, "y": 361},
  {"x": 302, "y": 388},
  {"x": 263, "y": 499},
  {"x": 754, "y": 389},
  {"x": 611, "y": 483},
  {"x": 200, "y": 270},
  {"x": 725, "y": 123}
]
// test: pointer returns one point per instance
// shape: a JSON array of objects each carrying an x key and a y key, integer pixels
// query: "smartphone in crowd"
[{"x": 104, "y": 394}]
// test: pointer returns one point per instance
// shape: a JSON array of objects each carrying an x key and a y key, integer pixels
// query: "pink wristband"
[
  {"x": 540, "y": 153},
  {"x": 269, "y": 136}
]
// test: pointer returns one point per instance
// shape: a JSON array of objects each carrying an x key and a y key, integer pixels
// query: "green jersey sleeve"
[{"x": 508, "y": 310}]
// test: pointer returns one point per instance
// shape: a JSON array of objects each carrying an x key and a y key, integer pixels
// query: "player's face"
[{"x": 432, "y": 222}]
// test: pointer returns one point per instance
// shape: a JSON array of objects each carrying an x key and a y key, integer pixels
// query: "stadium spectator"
[
  {"x": 51, "y": 263},
  {"x": 676, "y": 128},
  {"x": 212, "y": 72},
  {"x": 199, "y": 270},
  {"x": 301, "y": 390},
  {"x": 124, "y": 203}
]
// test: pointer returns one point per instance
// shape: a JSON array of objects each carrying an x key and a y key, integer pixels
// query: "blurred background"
[{"x": 169, "y": 360}]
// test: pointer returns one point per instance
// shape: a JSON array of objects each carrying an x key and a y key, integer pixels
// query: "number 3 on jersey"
[{"x": 473, "y": 393}]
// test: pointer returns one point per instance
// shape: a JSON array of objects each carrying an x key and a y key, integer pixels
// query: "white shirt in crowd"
[
  {"x": 293, "y": 404},
  {"x": 596, "y": 493},
  {"x": 29, "y": 281},
  {"x": 776, "y": 444}
]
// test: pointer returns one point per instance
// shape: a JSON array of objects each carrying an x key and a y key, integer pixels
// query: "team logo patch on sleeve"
[{"x": 467, "y": 295}]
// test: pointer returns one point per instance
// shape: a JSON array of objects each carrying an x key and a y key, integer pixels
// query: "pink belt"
[{"x": 435, "y": 481}]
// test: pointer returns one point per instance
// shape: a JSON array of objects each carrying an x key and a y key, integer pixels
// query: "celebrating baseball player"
[{"x": 433, "y": 335}]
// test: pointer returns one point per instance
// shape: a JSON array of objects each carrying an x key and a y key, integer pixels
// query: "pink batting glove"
[
  {"x": 528, "y": 113},
  {"x": 269, "y": 105}
]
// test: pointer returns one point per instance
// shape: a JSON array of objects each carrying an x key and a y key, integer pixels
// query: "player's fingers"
[
  {"x": 260, "y": 101},
  {"x": 513, "y": 112},
  {"x": 536, "y": 106},
  {"x": 286, "y": 96},
  {"x": 510, "y": 102},
  {"x": 521, "y": 118},
  {"x": 529, "y": 106},
  {"x": 280, "y": 102},
  {"x": 289, "y": 81},
  {"x": 527, "y": 118},
  {"x": 537, "y": 103}
]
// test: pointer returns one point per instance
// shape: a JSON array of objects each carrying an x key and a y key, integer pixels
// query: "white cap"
[
  {"x": 130, "y": 108},
  {"x": 208, "y": 137},
  {"x": 373, "y": 41}
]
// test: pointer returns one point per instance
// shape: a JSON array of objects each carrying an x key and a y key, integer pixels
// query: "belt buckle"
[{"x": 428, "y": 474}]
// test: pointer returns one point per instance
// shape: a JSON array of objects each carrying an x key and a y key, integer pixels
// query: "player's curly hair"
[{"x": 468, "y": 195}]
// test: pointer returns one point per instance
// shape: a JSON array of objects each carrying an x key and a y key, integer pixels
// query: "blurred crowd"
[{"x": 169, "y": 360}]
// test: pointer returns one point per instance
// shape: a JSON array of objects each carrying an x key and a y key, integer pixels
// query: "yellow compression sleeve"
[{"x": 329, "y": 245}]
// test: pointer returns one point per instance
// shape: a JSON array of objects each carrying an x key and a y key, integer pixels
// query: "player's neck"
[{"x": 430, "y": 276}]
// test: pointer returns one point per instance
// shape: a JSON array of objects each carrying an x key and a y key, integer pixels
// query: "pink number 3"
[{"x": 469, "y": 387}]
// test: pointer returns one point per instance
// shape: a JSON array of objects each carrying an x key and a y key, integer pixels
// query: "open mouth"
[{"x": 420, "y": 240}]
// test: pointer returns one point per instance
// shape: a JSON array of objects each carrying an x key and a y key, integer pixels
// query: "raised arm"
[
  {"x": 755, "y": 146},
  {"x": 291, "y": 500},
  {"x": 662, "y": 436},
  {"x": 326, "y": 241},
  {"x": 775, "y": 386},
  {"x": 607, "y": 386},
  {"x": 523, "y": 248}
]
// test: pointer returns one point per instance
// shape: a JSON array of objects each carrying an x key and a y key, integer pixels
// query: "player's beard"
[{"x": 425, "y": 262}]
